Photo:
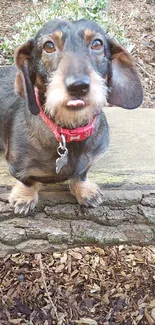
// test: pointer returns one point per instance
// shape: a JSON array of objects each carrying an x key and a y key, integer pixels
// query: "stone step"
[{"x": 130, "y": 159}]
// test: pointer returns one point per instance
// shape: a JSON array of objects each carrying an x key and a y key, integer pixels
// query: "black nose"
[{"x": 77, "y": 86}]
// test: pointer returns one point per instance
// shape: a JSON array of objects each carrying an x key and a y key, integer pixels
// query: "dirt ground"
[
  {"x": 138, "y": 19},
  {"x": 80, "y": 286},
  {"x": 86, "y": 285}
]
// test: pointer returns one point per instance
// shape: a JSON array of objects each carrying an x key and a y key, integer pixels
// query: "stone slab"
[{"x": 130, "y": 159}]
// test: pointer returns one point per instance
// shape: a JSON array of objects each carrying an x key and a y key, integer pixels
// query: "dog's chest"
[{"x": 50, "y": 166}]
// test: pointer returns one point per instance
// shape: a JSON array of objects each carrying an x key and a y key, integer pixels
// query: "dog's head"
[{"x": 76, "y": 68}]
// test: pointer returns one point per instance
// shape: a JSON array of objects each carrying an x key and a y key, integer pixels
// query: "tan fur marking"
[
  {"x": 40, "y": 84},
  {"x": 34, "y": 172},
  {"x": 22, "y": 194},
  {"x": 58, "y": 40},
  {"x": 38, "y": 173},
  {"x": 18, "y": 85},
  {"x": 83, "y": 190},
  {"x": 57, "y": 35},
  {"x": 88, "y": 35}
]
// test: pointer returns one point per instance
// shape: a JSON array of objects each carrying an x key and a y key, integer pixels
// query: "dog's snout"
[{"x": 77, "y": 86}]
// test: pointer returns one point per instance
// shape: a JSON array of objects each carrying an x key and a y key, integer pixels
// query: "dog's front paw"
[
  {"x": 22, "y": 206},
  {"x": 87, "y": 193},
  {"x": 23, "y": 198}
]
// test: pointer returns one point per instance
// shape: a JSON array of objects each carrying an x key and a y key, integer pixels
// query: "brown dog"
[{"x": 54, "y": 129}]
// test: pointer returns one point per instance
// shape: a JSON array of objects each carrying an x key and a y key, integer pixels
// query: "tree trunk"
[
  {"x": 58, "y": 222},
  {"x": 126, "y": 175}
]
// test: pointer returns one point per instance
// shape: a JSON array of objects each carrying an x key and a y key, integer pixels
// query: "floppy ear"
[
  {"x": 23, "y": 83},
  {"x": 125, "y": 89}
]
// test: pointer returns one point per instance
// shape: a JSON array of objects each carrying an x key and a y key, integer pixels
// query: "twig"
[
  {"x": 36, "y": 12},
  {"x": 45, "y": 285},
  {"x": 147, "y": 73}
]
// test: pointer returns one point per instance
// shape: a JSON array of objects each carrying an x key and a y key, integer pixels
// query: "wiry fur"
[
  {"x": 73, "y": 70},
  {"x": 57, "y": 98}
]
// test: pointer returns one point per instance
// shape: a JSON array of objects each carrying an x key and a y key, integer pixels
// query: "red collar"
[{"x": 77, "y": 134}]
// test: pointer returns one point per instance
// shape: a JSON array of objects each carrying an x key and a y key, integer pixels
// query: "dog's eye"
[
  {"x": 49, "y": 47},
  {"x": 97, "y": 44}
]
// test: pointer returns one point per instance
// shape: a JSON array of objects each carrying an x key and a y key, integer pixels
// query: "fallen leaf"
[
  {"x": 148, "y": 317},
  {"x": 76, "y": 255},
  {"x": 100, "y": 251},
  {"x": 153, "y": 313},
  {"x": 152, "y": 304},
  {"x": 59, "y": 268},
  {"x": 56, "y": 255},
  {"x": 148, "y": 43},
  {"x": 15, "y": 321},
  {"x": 95, "y": 288},
  {"x": 88, "y": 321},
  {"x": 63, "y": 259},
  {"x": 105, "y": 298}
]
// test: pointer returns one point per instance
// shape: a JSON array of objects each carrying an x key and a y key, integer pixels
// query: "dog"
[{"x": 51, "y": 119}]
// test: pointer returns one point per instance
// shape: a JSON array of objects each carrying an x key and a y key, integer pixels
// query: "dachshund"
[{"x": 51, "y": 119}]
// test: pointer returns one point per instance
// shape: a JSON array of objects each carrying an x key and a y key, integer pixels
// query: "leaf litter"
[
  {"x": 79, "y": 286},
  {"x": 94, "y": 286}
]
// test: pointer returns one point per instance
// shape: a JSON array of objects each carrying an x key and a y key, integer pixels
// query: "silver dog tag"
[
  {"x": 62, "y": 161},
  {"x": 63, "y": 153}
]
